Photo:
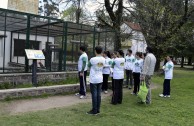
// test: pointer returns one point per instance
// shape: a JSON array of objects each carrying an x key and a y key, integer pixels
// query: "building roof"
[{"x": 133, "y": 26}]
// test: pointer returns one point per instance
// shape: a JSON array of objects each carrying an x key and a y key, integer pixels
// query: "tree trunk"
[
  {"x": 117, "y": 44},
  {"x": 190, "y": 61},
  {"x": 182, "y": 61}
]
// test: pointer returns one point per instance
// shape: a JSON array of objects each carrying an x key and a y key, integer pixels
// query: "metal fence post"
[
  {"x": 5, "y": 28},
  {"x": 27, "y": 44},
  {"x": 65, "y": 25}
]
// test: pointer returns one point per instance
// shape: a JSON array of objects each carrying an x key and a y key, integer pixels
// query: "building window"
[{"x": 19, "y": 46}]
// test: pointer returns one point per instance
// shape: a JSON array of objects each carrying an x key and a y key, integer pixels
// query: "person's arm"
[
  {"x": 146, "y": 66},
  {"x": 89, "y": 64},
  {"x": 113, "y": 64},
  {"x": 83, "y": 64},
  {"x": 108, "y": 64}
]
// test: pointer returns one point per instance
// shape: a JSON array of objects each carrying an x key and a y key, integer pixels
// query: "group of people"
[{"x": 104, "y": 65}]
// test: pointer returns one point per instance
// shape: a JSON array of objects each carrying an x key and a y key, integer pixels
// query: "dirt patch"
[{"x": 22, "y": 106}]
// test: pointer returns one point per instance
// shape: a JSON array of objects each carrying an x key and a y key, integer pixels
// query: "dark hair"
[
  {"x": 82, "y": 48},
  {"x": 149, "y": 49},
  {"x": 107, "y": 53},
  {"x": 139, "y": 54},
  {"x": 121, "y": 53},
  {"x": 98, "y": 49},
  {"x": 171, "y": 57},
  {"x": 129, "y": 50}
]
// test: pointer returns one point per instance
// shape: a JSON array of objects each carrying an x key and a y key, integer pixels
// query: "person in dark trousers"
[
  {"x": 96, "y": 65},
  {"x": 129, "y": 62},
  {"x": 168, "y": 71},
  {"x": 106, "y": 71},
  {"x": 118, "y": 76},
  {"x": 113, "y": 56},
  {"x": 82, "y": 72},
  {"x": 137, "y": 69}
]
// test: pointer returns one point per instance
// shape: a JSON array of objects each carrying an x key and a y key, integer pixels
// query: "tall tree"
[
  {"x": 112, "y": 18},
  {"x": 77, "y": 5},
  {"x": 161, "y": 21},
  {"x": 49, "y": 8}
]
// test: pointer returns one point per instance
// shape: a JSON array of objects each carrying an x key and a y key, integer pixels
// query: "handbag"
[{"x": 143, "y": 91}]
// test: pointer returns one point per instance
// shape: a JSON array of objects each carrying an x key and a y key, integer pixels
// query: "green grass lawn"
[{"x": 177, "y": 110}]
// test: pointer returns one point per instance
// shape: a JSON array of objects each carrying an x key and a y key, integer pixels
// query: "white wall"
[
  {"x": 7, "y": 47},
  {"x": 138, "y": 42},
  {"x": 42, "y": 39},
  {"x": 4, "y": 4},
  {"x": 137, "y": 39}
]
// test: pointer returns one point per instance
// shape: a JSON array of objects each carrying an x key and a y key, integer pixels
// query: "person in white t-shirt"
[
  {"x": 113, "y": 56},
  {"x": 82, "y": 71},
  {"x": 118, "y": 76},
  {"x": 96, "y": 65},
  {"x": 106, "y": 71},
  {"x": 137, "y": 69},
  {"x": 168, "y": 71},
  {"x": 129, "y": 63}
]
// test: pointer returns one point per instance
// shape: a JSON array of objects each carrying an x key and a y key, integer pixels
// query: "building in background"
[
  {"x": 28, "y": 6},
  {"x": 136, "y": 42},
  {"x": 16, "y": 38}
]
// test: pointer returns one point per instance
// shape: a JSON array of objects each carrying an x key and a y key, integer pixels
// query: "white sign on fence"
[{"x": 34, "y": 54}]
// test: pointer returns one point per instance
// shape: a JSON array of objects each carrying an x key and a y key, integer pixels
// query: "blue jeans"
[{"x": 96, "y": 96}]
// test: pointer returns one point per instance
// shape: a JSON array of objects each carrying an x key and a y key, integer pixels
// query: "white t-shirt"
[
  {"x": 168, "y": 69},
  {"x": 111, "y": 69},
  {"x": 138, "y": 65},
  {"x": 83, "y": 57},
  {"x": 129, "y": 62},
  {"x": 118, "y": 70},
  {"x": 107, "y": 66},
  {"x": 97, "y": 63}
]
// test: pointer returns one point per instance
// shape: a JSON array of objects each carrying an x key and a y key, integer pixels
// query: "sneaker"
[
  {"x": 82, "y": 97},
  {"x": 77, "y": 94},
  {"x": 133, "y": 93},
  {"x": 91, "y": 112},
  {"x": 168, "y": 96},
  {"x": 161, "y": 95},
  {"x": 106, "y": 92}
]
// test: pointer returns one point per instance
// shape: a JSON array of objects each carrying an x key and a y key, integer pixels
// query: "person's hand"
[{"x": 81, "y": 74}]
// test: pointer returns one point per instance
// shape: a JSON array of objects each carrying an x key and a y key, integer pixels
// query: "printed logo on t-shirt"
[
  {"x": 100, "y": 64},
  {"x": 121, "y": 64},
  {"x": 169, "y": 66},
  {"x": 136, "y": 64},
  {"x": 128, "y": 60}
]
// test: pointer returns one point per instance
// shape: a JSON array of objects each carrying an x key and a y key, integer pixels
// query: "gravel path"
[{"x": 36, "y": 104}]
